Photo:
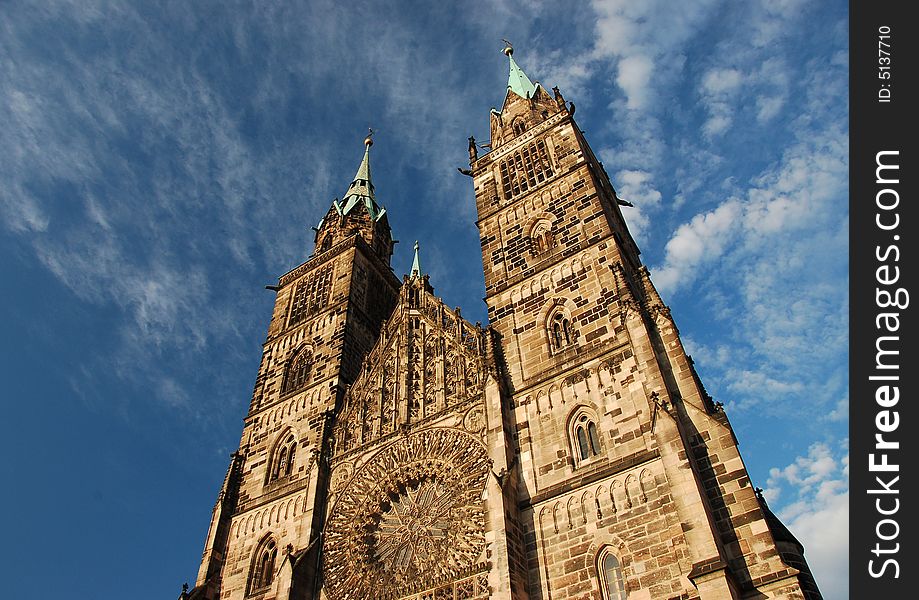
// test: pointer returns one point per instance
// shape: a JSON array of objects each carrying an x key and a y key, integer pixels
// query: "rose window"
[{"x": 411, "y": 519}]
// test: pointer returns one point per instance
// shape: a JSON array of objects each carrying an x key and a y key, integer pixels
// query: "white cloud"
[
  {"x": 718, "y": 90},
  {"x": 645, "y": 38},
  {"x": 701, "y": 240},
  {"x": 720, "y": 81},
  {"x": 841, "y": 411},
  {"x": 633, "y": 77},
  {"x": 770, "y": 19},
  {"x": 815, "y": 488},
  {"x": 768, "y": 107},
  {"x": 770, "y": 84},
  {"x": 20, "y": 209},
  {"x": 636, "y": 187},
  {"x": 775, "y": 274},
  {"x": 804, "y": 191}
]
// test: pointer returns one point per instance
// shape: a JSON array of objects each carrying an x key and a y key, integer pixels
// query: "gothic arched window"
[
  {"x": 519, "y": 126},
  {"x": 585, "y": 439},
  {"x": 311, "y": 295},
  {"x": 298, "y": 371},
  {"x": 282, "y": 461},
  {"x": 262, "y": 573},
  {"x": 525, "y": 169},
  {"x": 561, "y": 335},
  {"x": 610, "y": 574}
]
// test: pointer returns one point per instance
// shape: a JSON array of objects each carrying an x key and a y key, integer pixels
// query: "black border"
[{"x": 874, "y": 127}]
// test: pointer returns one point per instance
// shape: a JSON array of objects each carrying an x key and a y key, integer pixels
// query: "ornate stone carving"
[
  {"x": 430, "y": 361},
  {"x": 474, "y": 421},
  {"x": 340, "y": 476},
  {"x": 411, "y": 519}
]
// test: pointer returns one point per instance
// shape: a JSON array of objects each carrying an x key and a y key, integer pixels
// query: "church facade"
[{"x": 393, "y": 449}]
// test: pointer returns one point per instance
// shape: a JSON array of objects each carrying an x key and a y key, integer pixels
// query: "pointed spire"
[
  {"x": 416, "y": 264},
  {"x": 517, "y": 81},
  {"x": 361, "y": 189}
]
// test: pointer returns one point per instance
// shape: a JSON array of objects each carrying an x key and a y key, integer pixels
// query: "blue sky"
[{"x": 161, "y": 162}]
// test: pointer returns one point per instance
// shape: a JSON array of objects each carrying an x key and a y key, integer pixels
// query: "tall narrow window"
[
  {"x": 525, "y": 168},
  {"x": 560, "y": 333},
  {"x": 611, "y": 580},
  {"x": 263, "y": 567},
  {"x": 519, "y": 126},
  {"x": 298, "y": 372},
  {"x": 588, "y": 441},
  {"x": 593, "y": 437},
  {"x": 312, "y": 294},
  {"x": 585, "y": 438},
  {"x": 583, "y": 446},
  {"x": 282, "y": 463}
]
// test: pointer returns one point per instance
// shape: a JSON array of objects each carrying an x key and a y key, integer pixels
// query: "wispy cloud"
[
  {"x": 818, "y": 511},
  {"x": 150, "y": 177},
  {"x": 702, "y": 240},
  {"x": 718, "y": 90}
]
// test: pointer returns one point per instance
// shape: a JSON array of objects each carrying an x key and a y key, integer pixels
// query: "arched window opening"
[
  {"x": 519, "y": 127},
  {"x": 299, "y": 371},
  {"x": 311, "y": 295},
  {"x": 525, "y": 169},
  {"x": 263, "y": 567},
  {"x": 582, "y": 443},
  {"x": 587, "y": 440},
  {"x": 593, "y": 437},
  {"x": 283, "y": 463},
  {"x": 560, "y": 331},
  {"x": 611, "y": 580}
]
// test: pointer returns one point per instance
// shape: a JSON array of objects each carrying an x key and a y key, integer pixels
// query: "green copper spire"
[
  {"x": 517, "y": 81},
  {"x": 361, "y": 189},
  {"x": 416, "y": 264}
]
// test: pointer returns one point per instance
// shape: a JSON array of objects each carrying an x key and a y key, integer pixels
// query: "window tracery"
[
  {"x": 525, "y": 168},
  {"x": 518, "y": 126},
  {"x": 298, "y": 372},
  {"x": 282, "y": 462},
  {"x": 426, "y": 530},
  {"x": 584, "y": 437},
  {"x": 262, "y": 572},
  {"x": 609, "y": 572},
  {"x": 561, "y": 334},
  {"x": 312, "y": 294}
]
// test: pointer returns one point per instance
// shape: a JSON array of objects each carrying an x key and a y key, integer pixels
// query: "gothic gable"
[{"x": 427, "y": 360}]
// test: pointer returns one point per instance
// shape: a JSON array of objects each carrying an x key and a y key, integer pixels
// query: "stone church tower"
[{"x": 568, "y": 450}]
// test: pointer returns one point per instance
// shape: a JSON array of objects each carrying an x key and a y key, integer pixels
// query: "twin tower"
[{"x": 567, "y": 450}]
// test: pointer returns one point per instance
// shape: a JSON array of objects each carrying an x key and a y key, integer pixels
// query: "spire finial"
[
  {"x": 416, "y": 263},
  {"x": 508, "y": 48},
  {"x": 368, "y": 141}
]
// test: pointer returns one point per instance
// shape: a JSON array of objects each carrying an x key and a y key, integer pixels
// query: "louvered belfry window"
[
  {"x": 523, "y": 169},
  {"x": 312, "y": 294}
]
